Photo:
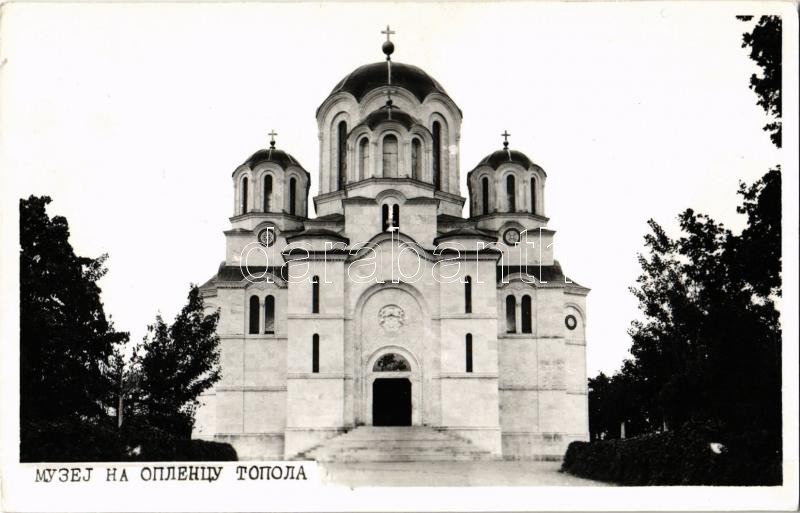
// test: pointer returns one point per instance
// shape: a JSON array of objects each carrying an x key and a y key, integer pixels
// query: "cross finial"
[
  {"x": 388, "y": 46},
  {"x": 389, "y": 32},
  {"x": 272, "y": 135},
  {"x": 505, "y": 135}
]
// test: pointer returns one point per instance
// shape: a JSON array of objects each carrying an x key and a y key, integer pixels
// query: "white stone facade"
[{"x": 489, "y": 333}]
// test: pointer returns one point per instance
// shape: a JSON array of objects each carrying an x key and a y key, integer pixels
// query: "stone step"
[
  {"x": 399, "y": 438},
  {"x": 398, "y": 448},
  {"x": 405, "y": 456},
  {"x": 345, "y": 458},
  {"x": 357, "y": 434},
  {"x": 395, "y": 444},
  {"x": 418, "y": 443}
]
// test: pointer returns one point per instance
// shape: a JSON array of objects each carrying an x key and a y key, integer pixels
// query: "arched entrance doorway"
[
  {"x": 392, "y": 397},
  {"x": 391, "y": 402}
]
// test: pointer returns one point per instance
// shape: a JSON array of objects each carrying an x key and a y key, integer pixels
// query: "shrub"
[
  {"x": 179, "y": 449},
  {"x": 680, "y": 457},
  {"x": 89, "y": 441},
  {"x": 69, "y": 441}
]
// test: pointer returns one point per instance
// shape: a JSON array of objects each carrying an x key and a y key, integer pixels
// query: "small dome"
[
  {"x": 280, "y": 157},
  {"x": 503, "y": 156},
  {"x": 377, "y": 117},
  {"x": 372, "y": 76}
]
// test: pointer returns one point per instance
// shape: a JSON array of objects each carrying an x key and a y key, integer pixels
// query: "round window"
[
  {"x": 511, "y": 236},
  {"x": 267, "y": 237},
  {"x": 571, "y": 322}
]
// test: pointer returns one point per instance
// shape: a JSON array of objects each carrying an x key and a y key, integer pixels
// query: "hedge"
[
  {"x": 187, "y": 450},
  {"x": 680, "y": 457},
  {"x": 87, "y": 441}
]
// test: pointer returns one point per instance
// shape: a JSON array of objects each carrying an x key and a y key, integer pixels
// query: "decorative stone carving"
[{"x": 392, "y": 318}]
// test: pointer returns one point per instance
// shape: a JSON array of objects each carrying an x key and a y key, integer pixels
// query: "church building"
[{"x": 389, "y": 307}]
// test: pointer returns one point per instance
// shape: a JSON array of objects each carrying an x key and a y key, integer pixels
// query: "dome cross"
[
  {"x": 505, "y": 135},
  {"x": 388, "y": 46},
  {"x": 389, "y": 32},
  {"x": 272, "y": 135}
]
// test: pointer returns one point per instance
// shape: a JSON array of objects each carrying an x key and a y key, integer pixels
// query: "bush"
[
  {"x": 187, "y": 450},
  {"x": 680, "y": 457},
  {"x": 69, "y": 441},
  {"x": 89, "y": 441}
]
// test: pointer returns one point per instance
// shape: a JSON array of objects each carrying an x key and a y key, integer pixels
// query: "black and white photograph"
[{"x": 366, "y": 256}]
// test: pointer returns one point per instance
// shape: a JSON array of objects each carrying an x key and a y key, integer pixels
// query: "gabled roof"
[
  {"x": 552, "y": 274},
  {"x": 318, "y": 233},
  {"x": 466, "y": 232},
  {"x": 235, "y": 273}
]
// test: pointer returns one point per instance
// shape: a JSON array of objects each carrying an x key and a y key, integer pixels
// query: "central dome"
[
  {"x": 383, "y": 114},
  {"x": 372, "y": 76}
]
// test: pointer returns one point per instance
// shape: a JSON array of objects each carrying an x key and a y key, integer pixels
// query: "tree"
[
  {"x": 709, "y": 346},
  {"x": 65, "y": 338},
  {"x": 612, "y": 402},
  {"x": 124, "y": 374},
  {"x": 764, "y": 43},
  {"x": 178, "y": 363}
]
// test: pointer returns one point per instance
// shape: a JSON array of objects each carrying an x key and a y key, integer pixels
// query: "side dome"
[
  {"x": 499, "y": 157},
  {"x": 264, "y": 189},
  {"x": 372, "y": 76},
  {"x": 280, "y": 157},
  {"x": 519, "y": 188}
]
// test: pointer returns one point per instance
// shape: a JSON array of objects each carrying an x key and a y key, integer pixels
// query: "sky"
[{"x": 132, "y": 117}]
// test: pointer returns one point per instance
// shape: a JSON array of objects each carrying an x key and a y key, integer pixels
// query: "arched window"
[
  {"x": 416, "y": 159},
  {"x": 527, "y": 320},
  {"x": 396, "y": 215},
  {"x": 469, "y": 352},
  {"x": 467, "y": 295},
  {"x": 253, "y": 315},
  {"x": 315, "y": 294},
  {"x": 437, "y": 155},
  {"x": 244, "y": 195},
  {"x": 390, "y": 216},
  {"x": 391, "y": 363},
  {"x": 511, "y": 191},
  {"x": 485, "y": 195},
  {"x": 511, "y": 314},
  {"x": 342, "y": 153},
  {"x": 267, "y": 192},
  {"x": 269, "y": 315},
  {"x": 385, "y": 217},
  {"x": 364, "y": 153},
  {"x": 390, "y": 156},
  {"x": 315, "y": 353},
  {"x": 293, "y": 196}
]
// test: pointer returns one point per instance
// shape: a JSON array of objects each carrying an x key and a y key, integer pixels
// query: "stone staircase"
[{"x": 407, "y": 443}]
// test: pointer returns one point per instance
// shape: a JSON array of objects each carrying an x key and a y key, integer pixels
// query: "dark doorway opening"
[{"x": 391, "y": 402}]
